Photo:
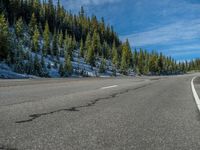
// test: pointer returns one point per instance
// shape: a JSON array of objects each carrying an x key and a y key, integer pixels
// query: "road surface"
[{"x": 154, "y": 113}]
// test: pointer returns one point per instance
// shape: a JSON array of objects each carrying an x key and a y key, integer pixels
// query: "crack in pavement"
[
  {"x": 4, "y": 147},
  {"x": 76, "y": 108}
]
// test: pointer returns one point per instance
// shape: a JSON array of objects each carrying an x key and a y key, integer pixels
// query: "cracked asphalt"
[{"x": 157, "y": 113}]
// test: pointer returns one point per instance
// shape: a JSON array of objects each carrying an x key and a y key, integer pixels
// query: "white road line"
[
  {"x": 196, "y": 97},
  {"x": 109, "y": 87}
]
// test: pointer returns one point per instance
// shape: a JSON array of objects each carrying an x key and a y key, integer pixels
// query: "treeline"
[
  {"x": 193, "y": 65},
  {"x": 30, "y": 27},
  {"x": 157, "y": 64}
]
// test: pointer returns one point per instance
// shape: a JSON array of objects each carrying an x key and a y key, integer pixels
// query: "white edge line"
[
  {"x": 109, "y": 87},
  {"x": 196, "y": 97}
]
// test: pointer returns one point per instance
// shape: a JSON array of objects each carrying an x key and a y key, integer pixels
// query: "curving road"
[{"x": 157, "y": 113}]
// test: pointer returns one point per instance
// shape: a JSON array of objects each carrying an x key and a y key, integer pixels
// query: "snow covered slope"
[{"x": 7, "y": 73}]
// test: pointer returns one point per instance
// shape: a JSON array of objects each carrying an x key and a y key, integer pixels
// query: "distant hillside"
[{"x": 41, "y": 39}]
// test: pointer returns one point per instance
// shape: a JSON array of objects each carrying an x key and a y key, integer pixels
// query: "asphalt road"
[{"x": 157, "y": 113}]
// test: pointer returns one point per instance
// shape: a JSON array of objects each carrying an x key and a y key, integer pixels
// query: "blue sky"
[{"x": 168, "y": 26}]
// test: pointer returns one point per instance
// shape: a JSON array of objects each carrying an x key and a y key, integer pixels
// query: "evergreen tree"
[
  {"x": 68, "y": 66},
  {"x": 106, "y": 50},
  {"x": 35, "y": 38},
  {"x": 69, "y": 45},
  {"x": 55, "y": 45},
  {"x": 96, "y": 43},
  {"x": 4, "y": 38},
  {"x": 88, "y": 42},
  {"x": 44, "y": 72},
  {"x": 125, "y": 61},
  {"x": 102, "y": 67},
  {"x": 32, "y": 24},
  {"x": 46, "y": 36},
  {"x": 60, "y": 39},
  {"x": 115, "y": 60},
  {"x": 90, "y": 56},
  {"x": 19, "y": 27},
  {"x": 82, "y": 48},
  {"x": 61, "y": 70},
  {"x": 74, "y": 43},
  {"x": 135, "y": 60},
  {"x": 141, "y": 62},
  {"x": 30, "y": 65},
  {"x": 19, "y": 66},
  {"x": 129, "y": 53},
  {"x": 160, "y": 63},
  {"x": 37, "y": 66},
  {"x": 82, "y": 12},
  {"x": 153, "y": 64},
  {"x": 124, "y": 65}
]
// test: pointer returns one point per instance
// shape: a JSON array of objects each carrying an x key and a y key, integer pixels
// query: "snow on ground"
[
  {"x": 7, "y": 73},
  {"x": 79, "y": 65}
]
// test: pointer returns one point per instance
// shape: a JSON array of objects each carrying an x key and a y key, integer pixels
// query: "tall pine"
[
  {"x": 4, "y": 40},
  {"x": 35, "y": 39},
  {"x": 46, "y": 36}
]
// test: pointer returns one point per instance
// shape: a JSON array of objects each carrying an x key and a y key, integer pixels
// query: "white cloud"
[
  {"x": 186, "y": 30},
  {"x": 184, "y": 48},
  {"x": 195, "y": 53}
]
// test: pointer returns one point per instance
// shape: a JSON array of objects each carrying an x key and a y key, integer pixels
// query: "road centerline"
[{"x": 109, "y": 87}]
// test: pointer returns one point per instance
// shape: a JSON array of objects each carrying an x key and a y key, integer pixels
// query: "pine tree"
[
  {"x": 19, "y": 66},
  {"x": 125, "y": 61},
  {"x": 135, "y": 60},
  {"x": 82, "y": 12},
  {"x": 82, "y": 48},
  {"x": 55, "y": 45},
  {"x": 115, "y": 55},
  {"x": 44, "y": 72},
  {"x": 88, "y": 41},
  {"x": 129, "y": 53},
  {"x": 160, "y": 63},
  {"x": 4, "y": 41},
  {"x": 106, "y": 50},
  {"x": 153, "y": 64},
  {"x": 37, "y": 66},
  {"x": 19, "y": 27},
  {"x": 124, "y": 65},
  {"x": 30, "y": 65},
  {"x": 96, "y": 43},
  {"x": 35, "y": 40},
  {"x": 46, "y": 36},
  {"x": 60, "y": 40},
  {"x": 68, "y": 66},
  {"x": 146, "y": 63},
  {"x": 90, "y": 56},
  {"x": 61, "y": 70},
  {"x": 141, "y": 62},
  {"x": 32, "y": 24},
  {"x": 69, "y": 46},
  {"x": 102, "y": 67}
]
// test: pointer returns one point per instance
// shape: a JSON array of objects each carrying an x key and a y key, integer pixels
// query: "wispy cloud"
[
  {"x": 183, "y": 48},
  {"x": 184, "y": 30}
]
